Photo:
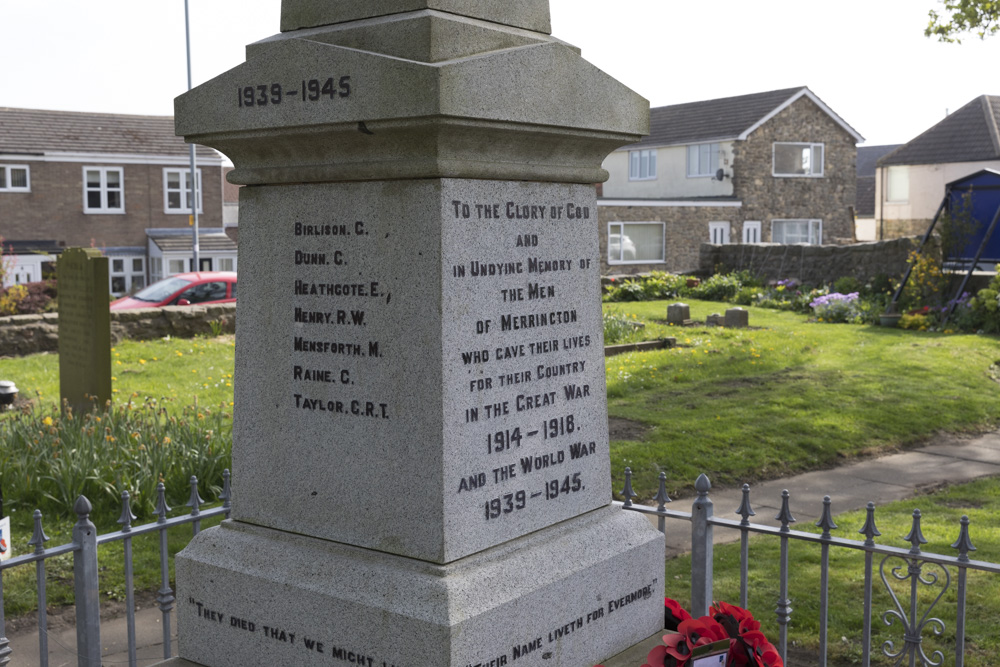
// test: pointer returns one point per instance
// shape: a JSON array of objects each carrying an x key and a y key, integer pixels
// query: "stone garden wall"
[
  {"x": 28, "y": 334},
  {"x": 811, "y": 264}
]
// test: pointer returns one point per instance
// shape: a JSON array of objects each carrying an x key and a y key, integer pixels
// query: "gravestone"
[
  {"x": 737, "y": 318},
  {"x": 84, "y": 329},
  {"x": 420, "y": 443},
  {"x": 679, "y": 314}
]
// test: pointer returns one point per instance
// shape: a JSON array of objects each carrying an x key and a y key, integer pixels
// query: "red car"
[{"x": 184, "y": 289}]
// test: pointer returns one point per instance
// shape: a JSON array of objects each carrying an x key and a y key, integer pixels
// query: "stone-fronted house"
[
  {"x": 115, "y": 182},
  {"x": 910, "y": 181},
  {"x": 774, "y": 167}
]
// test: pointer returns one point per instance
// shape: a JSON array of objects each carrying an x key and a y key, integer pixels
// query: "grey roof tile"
[
  {"x": 868, "y": 156},
  {"x": 708, "y": 120},
  {"x": 39, "y": 131},
  {"x": 970, "y": 134}
]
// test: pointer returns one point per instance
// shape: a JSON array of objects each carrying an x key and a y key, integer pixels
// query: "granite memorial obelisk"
[{"x": 420, "y": 459}]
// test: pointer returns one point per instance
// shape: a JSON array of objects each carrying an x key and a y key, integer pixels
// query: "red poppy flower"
[{"x": 674, "y": 614}]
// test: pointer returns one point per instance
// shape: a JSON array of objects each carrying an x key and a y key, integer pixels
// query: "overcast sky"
[{"x": 867, "y": 59}]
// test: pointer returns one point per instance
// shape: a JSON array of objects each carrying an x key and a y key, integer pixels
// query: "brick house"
[
  {"x": 115, "y": 182},
  {"x": 774, "y": 167},
  {"x": 910, "y": 181}
]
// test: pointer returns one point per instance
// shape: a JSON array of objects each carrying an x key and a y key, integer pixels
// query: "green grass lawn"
[{"x": 787, "y": 395}]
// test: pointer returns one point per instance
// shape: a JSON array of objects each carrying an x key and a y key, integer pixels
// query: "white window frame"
[
  {"x": 893, "y": 194},
  {"x": 751, "y": 232},
  {"x": 128, "y": 273},
  {"x": 718, "y": 233},
  {"x": 621, "y": 231},
  {"x": 812, "y": 159},
  {"x": 635, "y": 164},
  {"x": 6, "y": 179},
  {"x": 103, "y": 189},
  {"x": 814, "y": 233},
  {"x": 185, "y": 192},
  {"x": 695, "y": 159}
]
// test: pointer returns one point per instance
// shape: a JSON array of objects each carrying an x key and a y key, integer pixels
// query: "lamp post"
[{"x": 193, "y": 192}]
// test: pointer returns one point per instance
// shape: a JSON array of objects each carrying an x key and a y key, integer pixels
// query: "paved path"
[{"x": 950, "y": 460}]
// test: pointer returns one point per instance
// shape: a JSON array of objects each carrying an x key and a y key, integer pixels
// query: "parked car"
[{"x": 183, "y": 289}]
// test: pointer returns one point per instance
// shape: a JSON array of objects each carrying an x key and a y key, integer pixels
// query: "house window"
[
  {"x": 898, "y": 185},
  {"x": 175, "y": 266},
  {"x": 177, "y": 190},
  {"x": 751, "y": 232},
  {"x": 703, "y": 160},
  {"x": 635, "y": 242},
  {"x": 156, "y": 268},
  {"x": 642, "y": 165},
  {"x": 718, "y": 232},
  {"x": 127, "y": 274},
  {"x": 796, "y": 159},
  {"x": 797, "y": 231},
  {"x": 14, "y": 178},
  {"x": 227, "y": 264},
  {"x": 102, "y": 190}
]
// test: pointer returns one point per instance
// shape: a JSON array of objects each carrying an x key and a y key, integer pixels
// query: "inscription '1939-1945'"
[{"x": 310, "y": 90}]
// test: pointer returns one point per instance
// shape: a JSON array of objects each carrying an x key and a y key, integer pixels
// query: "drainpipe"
[{"x": 881, "y": 209}]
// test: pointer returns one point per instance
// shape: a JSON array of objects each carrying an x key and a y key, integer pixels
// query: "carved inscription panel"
[
  {"x": 427, "y": 345},
  {"x": 525, "y": 414}
]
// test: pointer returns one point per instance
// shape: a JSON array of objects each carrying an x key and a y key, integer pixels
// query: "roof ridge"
[
  {"x": 991, "y": 123},
  {"x": 84, "y": 113},
  {"x": 790, "y": 91}
]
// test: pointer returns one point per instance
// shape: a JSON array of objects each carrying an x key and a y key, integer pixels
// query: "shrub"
[
  {"x": 619, "y": 329},
  {"x": 50, "y": 458},
  {"x": 28, "y": 299},
  {"x": 11, "y": 298},
  {"x": 836, "y": 307},
  {"x": 847, "y": 284}
]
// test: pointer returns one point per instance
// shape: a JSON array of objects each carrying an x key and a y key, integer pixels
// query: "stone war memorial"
[
  {"x": 421, "y": 472},
  {"x": 84, "y": 329}
]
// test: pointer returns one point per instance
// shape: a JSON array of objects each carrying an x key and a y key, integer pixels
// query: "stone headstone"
[
  {"x": 420, "y": 444},
  {"x": 714, "y": 320},
  {"x": 84, "y": 329},
  {"x": 737, "y": 318},
  {"x": 678, "y": 314}
]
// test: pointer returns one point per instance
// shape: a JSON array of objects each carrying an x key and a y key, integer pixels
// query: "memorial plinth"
[{"x": 421, "y": 466}]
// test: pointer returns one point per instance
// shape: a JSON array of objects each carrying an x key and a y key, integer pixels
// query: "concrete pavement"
[{"x": 948, "y": 460}]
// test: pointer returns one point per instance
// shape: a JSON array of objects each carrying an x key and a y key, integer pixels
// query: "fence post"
[
  {"x": 88, "y": 602},
  {"x": 701, "y": 549}
]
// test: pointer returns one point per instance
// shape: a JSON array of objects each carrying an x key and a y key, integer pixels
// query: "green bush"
[
  {"x": 620, "y": 329},
  {"x": 49, "y": 459}
]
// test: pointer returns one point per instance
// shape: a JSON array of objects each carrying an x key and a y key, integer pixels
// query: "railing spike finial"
[
  {"x": 196, "y": 501},
  {"x": 964, "y": 542},
  {"x": 745, "y": 510},
  {"x": 83, "y": 508},
  {"x": 702, "y": 485},
  {"x": 227, "y": 493},
  {"x": 826, "y": 521},
  {"x": 38, "y": 537},
  {"x": 627, "y": 491},
  {"x": 126, "y": 517},
  {"x": 785, "y": 515},
  {"x": 161, "y": 503},
  {"x": 915, "y": 537},
  {"x": 869, "y": 530},
  {"x": 661, "y": 494}
]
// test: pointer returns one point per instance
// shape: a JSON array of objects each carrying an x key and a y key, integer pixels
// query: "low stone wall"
[
  {"x": 28, "y": 334},
  {"x": 812, "y": 264}
]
